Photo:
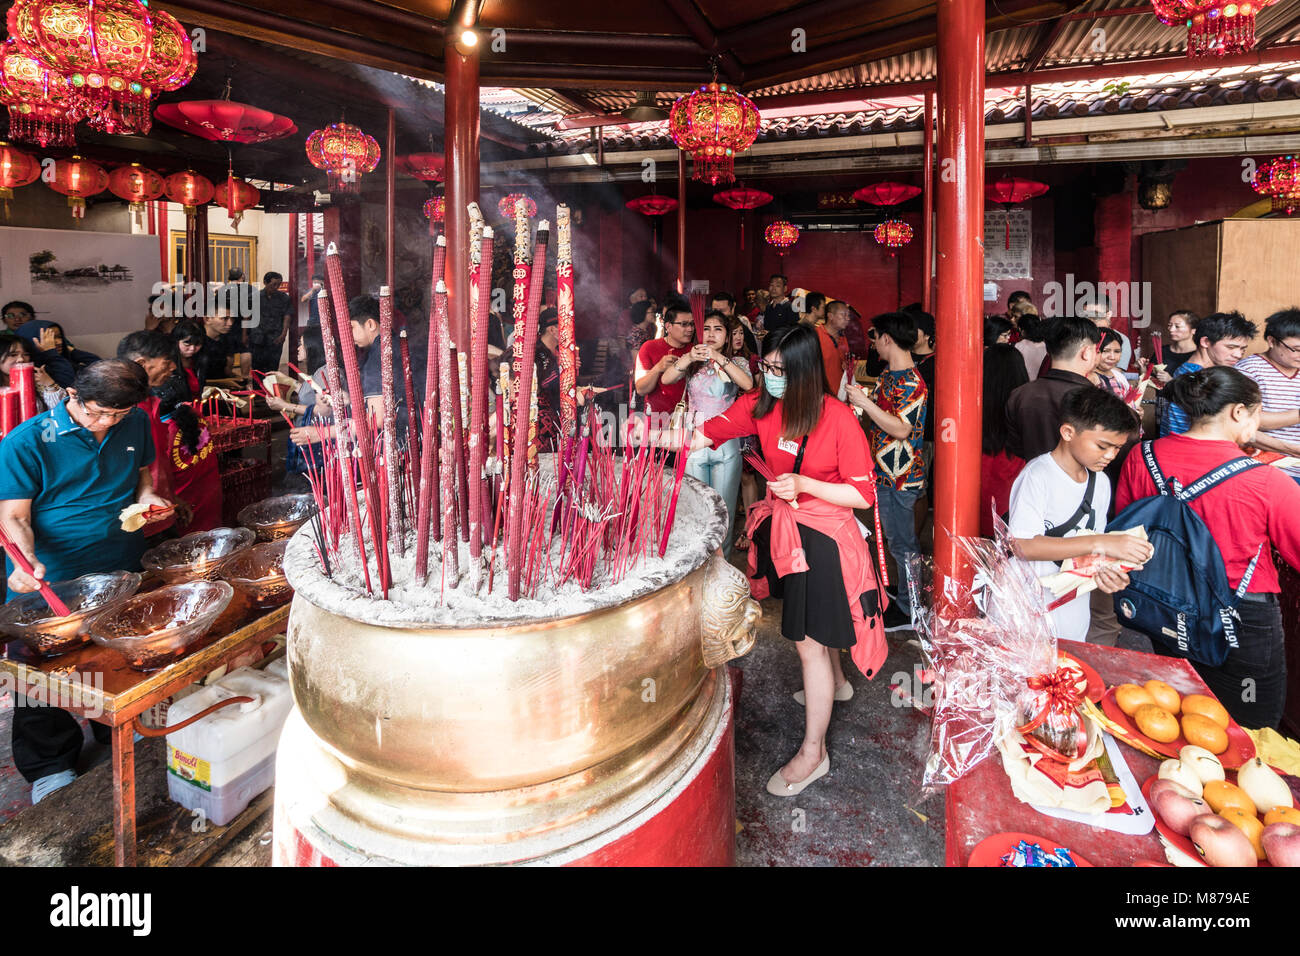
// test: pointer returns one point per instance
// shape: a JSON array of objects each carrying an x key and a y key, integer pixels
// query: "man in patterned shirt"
[{"x": 896, "y": 409}]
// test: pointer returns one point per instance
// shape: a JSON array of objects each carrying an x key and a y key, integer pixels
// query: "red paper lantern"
[
  {"x": 781, "y": 234},
  {"x": 1279, "y": 179},
  {"x": 1216, "y": 27},
  {"x": 652, "y": 205},
  {"x": 136, "y": 185},
  {"x": 507, "y": 206},
  {"x": 234, "y": 196},
  {"x": 887, "y": 194},
  {"x": 16, "y": 169},
  {"x": 78, "y": 178},
  {"x": 435, "y": 210},
  {"x": 424, "y": 166},
  {"x": 713, "y": 124},
  {"x": 116, "y": 54},
  {"x": 40, "y": 101},
  {"x": 345, "y": 153},
  {"x": 1010, "y": 190},
  {"x": 225, "y": 121},
  {"x": 893, "y": 234},
  {"x": 189, "y": 189}
]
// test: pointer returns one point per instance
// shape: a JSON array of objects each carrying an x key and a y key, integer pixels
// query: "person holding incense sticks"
[
  {"x": 714, "y": 378},
  {"x": 807, "y": 546},
  {"x": 59, "y": 504}
]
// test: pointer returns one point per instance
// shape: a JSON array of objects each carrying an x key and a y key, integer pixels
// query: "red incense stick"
[
  {"x": 479, "y": 376},
  {"x": 20, "y": 561},
  {"x": 428, "y": 502},
  {"x": 682, "y": 454},
  {"x": 389, "y": 399},
  {"x": 447, "y": 453},
  {"x": 564, "y": 303}
]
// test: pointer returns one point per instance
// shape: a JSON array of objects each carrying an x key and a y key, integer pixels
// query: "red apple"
[
  {"x": 1220, "y": 843},
  {"x": 1176, "y": 805},
  {"x": 1281, "y": 843}
]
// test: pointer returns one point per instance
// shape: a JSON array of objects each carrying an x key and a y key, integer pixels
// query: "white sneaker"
[{"x": 46, "y": 785}]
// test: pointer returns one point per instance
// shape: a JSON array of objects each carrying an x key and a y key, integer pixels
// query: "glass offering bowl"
[
  {"x": 153, "y": 629},
  {"x": 258, "y": 572},
  {"x": 30, "y": 619},
  {"x": 276, "y": 518},
  {"x": 197, "y": 556}
]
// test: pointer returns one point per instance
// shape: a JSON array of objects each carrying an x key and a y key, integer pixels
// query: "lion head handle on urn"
[{"x": 730, "y": 614}]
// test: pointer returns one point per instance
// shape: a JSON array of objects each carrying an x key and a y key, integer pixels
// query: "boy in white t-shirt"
[{"x": 1060, "y": 499}]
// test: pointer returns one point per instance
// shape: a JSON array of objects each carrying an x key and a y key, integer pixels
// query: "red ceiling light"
[
  {"x": 345, "y": 153},
  {"x": 1214, "y": 27},
  {"x": 713, "y": 124},
  {"x": 116, "y": 54},
  {"x": 1010, "y": 190},
  {"x": 652, "y": 205},
  {"x": 225, "y": 121},
  {"x": 17, "y": 168},
  {"x": 234, "y": 196},
  {"x": 189, "y": 189},
  {"x": 425, "y": 166},
  {"x": 1279, "y": 179},
  {"x": 78, "y": 178},
  {"x": 893, "y": 234},
  {"x": 136, "y": 185},
  {"x": 42, "y": 108},
  {"x": 887, "y": 194},
  {"x": 781, "y": 234},
  {"x": 507, "y": 206}
]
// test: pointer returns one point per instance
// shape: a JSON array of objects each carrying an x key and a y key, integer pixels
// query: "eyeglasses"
[
  {"x": 17, "y": 315},
  {"x": 113, "y": 415},
  {"x": 1294, "y": 350},
  {"x": 684, "y": 325},
  {"x": 777, "y": 371}
]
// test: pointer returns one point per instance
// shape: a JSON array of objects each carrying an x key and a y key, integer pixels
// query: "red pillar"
[
  {"x": 927, "y": 207},
  {"x": 461, "y": 145},
  {"x": 959, "y": 303},
  {"x": 1113, "y": 223}
]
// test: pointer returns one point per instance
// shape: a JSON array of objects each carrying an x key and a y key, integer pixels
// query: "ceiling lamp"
[
  {"x": 234, "y": 196},
  {"x": 425, "y": 166},
  {"x": 1010, "y": 190},
  {"x": 116, "y": 54},
  {"x": 189, "y": 189},
  {"x": 893, "y": 234},
  {"x": 887, "y": 194},
  {"x": 742, "y": 199},
  {"x": 345, "y": 153},
  {"x": 435, "y": 210},
  {"x": 1279, "y": 179},
  {"x": 42, "y": 108},
  {"x": 782, "y": 235},
  {"x": 78, "y": 178},
  {"x": 713, "y": 124},
  {"x": 137, "y": 186},
  {"x": 1214, "y": 27},
  {"x": 17, "y": 168},
  {"x": 645, "y": 109},
  {"x": 507, "y": 206},
  {"x": 225, "y": 121}
]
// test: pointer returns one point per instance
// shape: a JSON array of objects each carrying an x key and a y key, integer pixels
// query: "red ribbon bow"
[{"x": 1062, "y": 692}]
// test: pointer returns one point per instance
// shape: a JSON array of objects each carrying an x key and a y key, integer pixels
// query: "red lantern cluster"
[
  {"x": 226, "y": 121},
  {"x": 507, "y": 206},
  {"x": 1279, "y": 179},
  {"x": 713, "y": 124},
  {"x": 893, "y": 234},
  {"x": 345, "y": 153},
  {"x": 1214, "y": 27},
  {"x": 78, "y": 178},
  {"x": 652, "y": 205},
  {"x": 781, "y": 234}
]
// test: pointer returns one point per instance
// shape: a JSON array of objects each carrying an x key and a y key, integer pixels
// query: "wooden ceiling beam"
[{"x": 708, "y": 41}]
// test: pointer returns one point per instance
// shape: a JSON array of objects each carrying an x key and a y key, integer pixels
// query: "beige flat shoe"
[
  {"x": 778, "y": 786},
  {"x": 842, "y": 693}
]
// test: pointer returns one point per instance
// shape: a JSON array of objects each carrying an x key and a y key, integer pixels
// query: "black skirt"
[{"x": 814, "y": 603}]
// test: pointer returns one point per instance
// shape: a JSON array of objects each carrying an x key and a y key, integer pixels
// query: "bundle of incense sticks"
[{"x": 22, "y": 564}]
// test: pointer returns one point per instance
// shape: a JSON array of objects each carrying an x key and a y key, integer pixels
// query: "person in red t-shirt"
[
  {"x": 1253, "y": 512},
  {"x": 657, "y": 355}
]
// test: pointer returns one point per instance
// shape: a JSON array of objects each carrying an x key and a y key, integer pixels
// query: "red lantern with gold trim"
[
  {"x": 16, "y": 169},
  {"x": 435, "y": 210},
  {"x": 78, "y": 178},
  {"x": 893, "y": 234},
  {"x": 136, "y": 185},
  {"x": 1214, "y": 27},
  {"x": 189, "y": 189},
  {"x": 345, "y": 153},
  {"x": 234, "y": 196},
  {"x": 41, "y": 106},
  {"x": 782, "y": 235},
  {"x": 713, "y": 124},
  {"x": 507, "y": 206}
]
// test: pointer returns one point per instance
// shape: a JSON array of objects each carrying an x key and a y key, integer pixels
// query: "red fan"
[
  {"x": 887, "y": 194},
  {"x": 1010, "y": 190},
  {"x": 225, "y": 121}
]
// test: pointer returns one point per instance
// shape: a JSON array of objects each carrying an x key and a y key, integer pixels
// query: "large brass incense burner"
[{"x": 500, "y": 740}]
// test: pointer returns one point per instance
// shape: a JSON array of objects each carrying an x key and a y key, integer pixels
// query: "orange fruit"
[
  {"x": 1248, "y": 824},
  {"x": 1157, "y": 723},
  {"x": 1221, "y": 795},
  {"x": 1206, "y": 707},
  {"x": 1163, "y": 695},
  {"x": 1129, "y": 697},
  {"x": 1282, "y": 815},
  {"x": 1201, "y": 731}
]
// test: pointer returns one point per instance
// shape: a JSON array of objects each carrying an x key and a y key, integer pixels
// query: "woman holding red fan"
[{"x": 808, "y": 548}]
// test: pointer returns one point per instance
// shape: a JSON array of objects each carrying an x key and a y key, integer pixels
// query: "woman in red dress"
[{"x": 807, "y": 545}]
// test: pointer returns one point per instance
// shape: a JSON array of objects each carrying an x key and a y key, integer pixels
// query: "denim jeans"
[
  {"x": 719, "y": 468},
  {"x": 898, "y": 524}
]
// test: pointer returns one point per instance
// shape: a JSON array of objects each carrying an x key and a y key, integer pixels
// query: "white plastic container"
[{"x": 220, "y": 763}]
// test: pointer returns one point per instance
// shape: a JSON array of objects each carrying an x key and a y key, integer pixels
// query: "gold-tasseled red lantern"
[
  {"x": 189, "y": 189},
  {"x": 345, "y": 153},
  {"x": 234, "y": 196},
  {"x": 782, "y": 235},
  {"x": 40, "y": 102},
  {"x": 435, "y": 210},
  {"x": 893, "y": 234},
  {"x": 116, "y": 54},
  {"x": 16, "y": 169},
  {"x": 713, "y": 124},
  {"x": 1279, "y": 179},
  {"x": 1214, "y": 27},
  {"x": 507, "y": 206},
  {"x": 136, "y": 185},
  {"x": 78, "y": 178}
]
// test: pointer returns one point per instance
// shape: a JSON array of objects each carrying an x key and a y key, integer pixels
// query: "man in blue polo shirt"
[{"x": 65, "y": 476}]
